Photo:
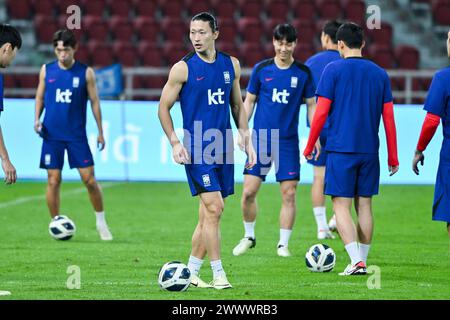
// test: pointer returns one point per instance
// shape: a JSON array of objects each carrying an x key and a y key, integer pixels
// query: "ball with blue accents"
[
  {"x": 320, "y": 258},
  {"x": 61, "y": 228},
  {"x": 174, "y": 276}
]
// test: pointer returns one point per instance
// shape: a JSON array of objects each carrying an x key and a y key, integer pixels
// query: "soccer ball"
[
  {"x": 61, "y": 228},
  {"x": 320, "y": 258},
  {"x": 174, "y": 276}
]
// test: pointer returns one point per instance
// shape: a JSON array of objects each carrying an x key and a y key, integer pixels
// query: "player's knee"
[
  {"x": 90, "y": 182},
  {"x": 214, "y": 211},
  {"x": 249, "y": 195},
  {"x": 288, "y": 194},
  {"x": 54, "y": 181}
]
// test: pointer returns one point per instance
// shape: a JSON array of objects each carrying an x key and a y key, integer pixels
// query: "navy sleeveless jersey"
[
  {"x": 65, "y": 102},
  {"x": 280, "y": 93},
  {"x": 205, "y": 103},
  {"x": 1, "y": 92}
]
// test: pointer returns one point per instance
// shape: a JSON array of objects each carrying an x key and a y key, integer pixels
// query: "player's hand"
[
  {"x": 393, "y": 170},
  {"x": 418, "y": 157},
  {"x": 318, "y": 149},
  {"x": 100, "y": 142},
  {"x": 38, "y": 126},
  {"x": 10, "y": 172},
  {"x": 241, "y": 142},
  {"x": 251, "y": 155},
  {"x": 180, "y": 154}
]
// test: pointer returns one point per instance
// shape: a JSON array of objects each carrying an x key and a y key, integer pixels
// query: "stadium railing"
[{"x": 408, "y": 94}]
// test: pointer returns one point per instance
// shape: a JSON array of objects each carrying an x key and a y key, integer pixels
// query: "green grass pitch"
[{"x": 152, "y": 223}]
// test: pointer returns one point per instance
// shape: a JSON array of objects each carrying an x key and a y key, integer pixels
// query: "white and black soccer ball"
[
  {"x": 174, "y": 276},
  {"x": 320, "y": 258},
  {"x": 61, "y": 228}
]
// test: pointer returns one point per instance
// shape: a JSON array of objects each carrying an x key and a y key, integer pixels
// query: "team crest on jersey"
[
  {"x": 226, "y": 77},
  {"x": 47, "y": 159},
  {"x": 75, "y": 82},
  {"x": 294, "y": 82},
  {"x": 206, "y": 180}
]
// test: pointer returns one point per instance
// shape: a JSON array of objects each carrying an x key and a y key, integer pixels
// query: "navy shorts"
[
  {"x": 322, "y": 161},
  {"x": 441, "y": 204},
  {"x": 210, "y": 177},
  {"x": 78, "y": 152},
  {"x": 285, "y": 159},
  {"x": 352, "y": 174}
]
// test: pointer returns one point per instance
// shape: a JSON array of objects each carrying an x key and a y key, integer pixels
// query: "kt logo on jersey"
[
  {"x": 215, "y": 97},
  {"x": 63, "y": 96},
  {"x": 280, "y": 97}
]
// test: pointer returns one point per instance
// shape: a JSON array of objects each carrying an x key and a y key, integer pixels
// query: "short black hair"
[
  {"x": 66, "y": 36},
  {"x": 9, "y": 34},
  {"x": 352, "y": 35},
  {"x": 330, "y": 28},
  {"x": 285, "y": 31},
  {"x": 207, "y": 17}
]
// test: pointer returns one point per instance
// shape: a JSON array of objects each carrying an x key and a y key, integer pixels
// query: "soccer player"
[
  {"x": 64, "y": 87},
  {"x": 437, "y": 106},
  {"x": 317, "y": 64},
  {"x": 354, "y": 92},
  {"x": 278, "y": 86},
  {"x": 207, "y": 82},
  {"x": 10, "y": 42}
]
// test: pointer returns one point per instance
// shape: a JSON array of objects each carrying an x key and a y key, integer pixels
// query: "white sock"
[
  {"x": 249, "y": 229},
  {"x": 217, "y": 269},
  {"x": 364, "y": 251},
  {"x": 353, "y": 252},
  {"x": 321, "y": 218},
  {"x": 194, "y": 265},
  {"x": 100, "y": 216},
  {"x": 285, "y": 234}
]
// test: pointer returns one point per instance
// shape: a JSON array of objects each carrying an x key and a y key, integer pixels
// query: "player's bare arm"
[
  {"x": 240, "y": 115},
  {"x": 39, "y": 107},
  {"x": 249, "y": 105},
  {"x": 311, "y": 109},
  {"x": 177, "y": 77},
  {"x": 8, "y": 168},
  {"x": 95, "y": 105}
]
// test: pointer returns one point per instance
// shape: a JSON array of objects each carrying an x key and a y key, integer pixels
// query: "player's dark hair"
[
  {"x": 207, "y": 17},
  {"x": 352, "y": 35},
  {"x": 9, "y": 34},
  {"x": 330, "y": 28},
  {"x": 285, "y": 31},
  {"x": 66, "y": 36}
]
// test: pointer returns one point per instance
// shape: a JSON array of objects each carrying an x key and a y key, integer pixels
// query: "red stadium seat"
[
  {"x": 10, "y": 81},
  {"x": 150, "y": 54},
  {"x": 43, "y": 7},
  {"x": 94, "y": 7},
  {"x": 304, "y": 10},
  {"x": 306, "y": 31},
  {"x": 122, "y": 28},
  {"x": 125, "y": 53},
  {"x": 45, "y": 27},
  {"x": 156, "y": 82},
  {"x": 174, "y": 29},
  {"x": 172, "y": 8},
  {"x": 174, "y": 51},
  {"x": 62, "y": 5},
  {"x": 269, "y": 26},
  {"x": 96, "y": 28},
  {"x": 18, "y": 9},
  {"x": 382, "y": 55},
  {"x": 147, "y": 29},
  {"x": 82, "y": 55},
  {"x": 278, "y": 9},
  {"x": 28, "y": 81},
  {"x": 228, "y": 48},
  {"x": 250, "y": 29},
  {"x": 329, "y": 9},
  {"x": 197, "y": 6},
  {"x": 355, "y": 11},
  {"x": 252, "y": 53},
  {"x": 120, "y": 7},
  {"x": 225, "y": 8},
  {"x": 303, "y": 51},
  {"x": 441, "y": 12},
  {"x": 145, "y": 8},
  {"x": 227, "y": 29},
  {"x": 407, "y": 57},
  {"x": 382, "y": 36},
  {"x": 251, "y": 8},
  {"x": 100, "y": 54}
]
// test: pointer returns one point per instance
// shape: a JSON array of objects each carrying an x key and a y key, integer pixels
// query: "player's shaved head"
[{"x": 351, "y": 34}]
